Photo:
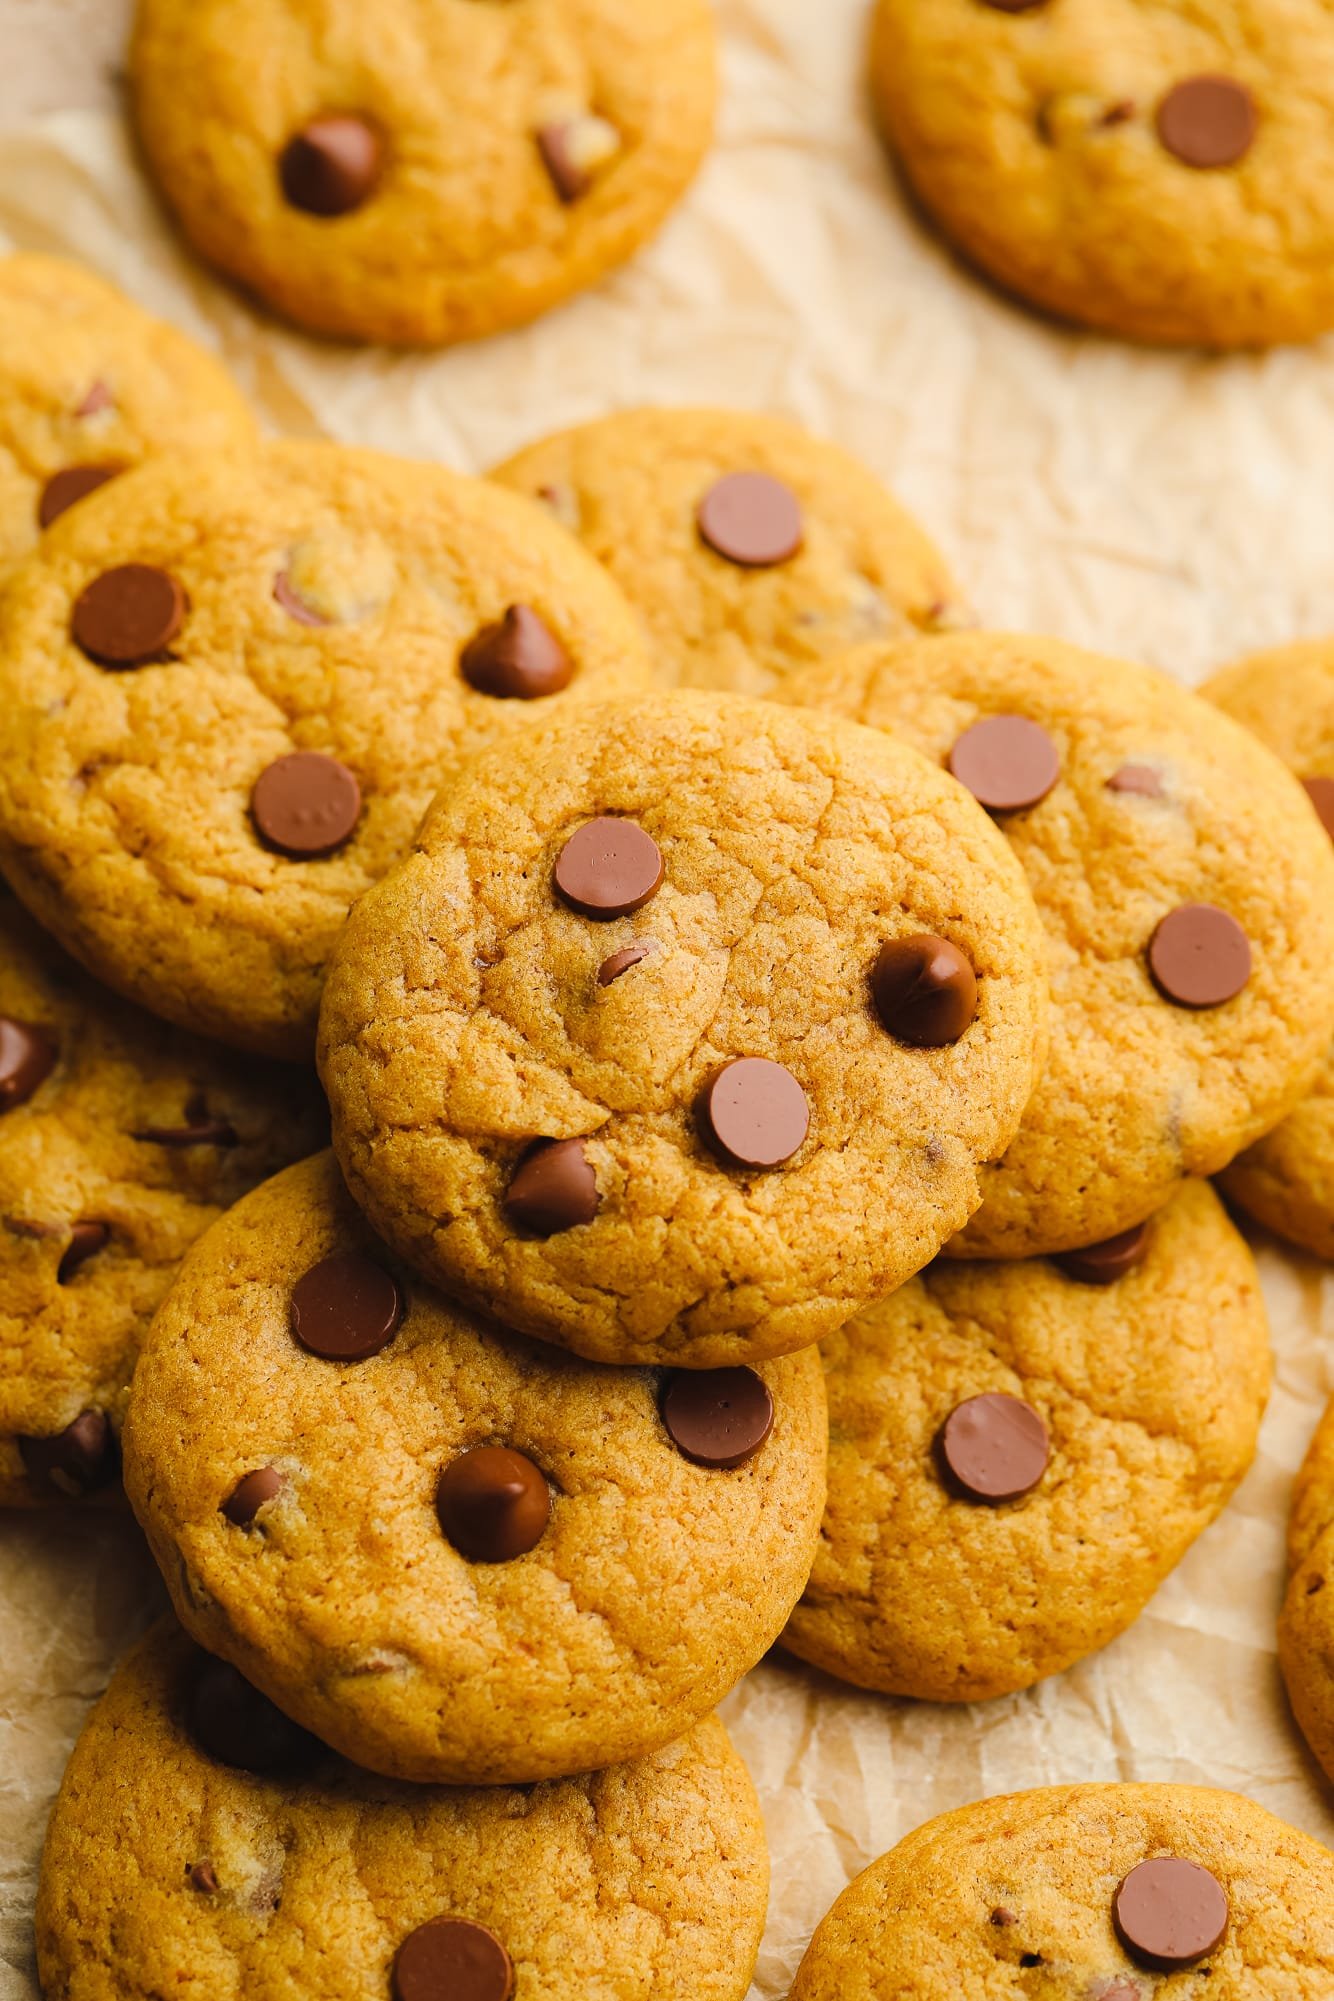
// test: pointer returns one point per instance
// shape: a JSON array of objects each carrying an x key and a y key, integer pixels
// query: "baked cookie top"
[
  {"x": 1187, "y": 891},
  {"x": 748, "y": 546},
  {"x": 202, "y": 1845},
  {"x": 450, "y": 1552},
  {"x": 425, "y": 170},
  {"x": 1021, "y": 1452},
  {"x": 120, "y": 1142},
  {"x": 231, "y": 687},
  {"x": 683, "y": 1030},
  {"x": 1145, "y": 169},
  {"x": 89, "y": 385},
  {"x": 1095, "y": 1890},
  {"x": 1306, "y": 1626}
]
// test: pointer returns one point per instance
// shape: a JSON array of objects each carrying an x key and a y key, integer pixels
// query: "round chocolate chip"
[
  {"x": 1170, "y": 1913},
  {"x": 306, "y": 804},
  {"x": 621, "y": 962},
  {"x": 1208, "y": 121},
  {"x": 1141, "y": 779},
  {"x": 717, "y": 1417},
  {"x": 128, "y": 616},
  {"x": 925, "y": 991},
  {"x": 68, "y": 486},
  {"x": 86, "y": 1240},
  {"x": 517, "y": 659},
  {"x": 76, "y": 1461},
  {"x": 995, "y": 1448},
  {"x": 452, "y": 1959},
  {"x": 552, "y": 1189},
  {"x": 756, "y": 1112},
  {"x": 493, "y": 1504},
  {"x": 751, "y": 519},
  {"x": 346, "y": 1308},
  {"x": 332, "y": 166},
  {"x": 252, "y": 1492},
  {"x": 1199, "y": 956},
  {"x": 1104, "y": 1263},
  {"x": 610, "y": 868},
  {"x": 1320, "y": 792},
  {"x": 238, "y": 1726},
  {"x": 1006, "y": 762},
  {"x": 27, "y": 1058}
]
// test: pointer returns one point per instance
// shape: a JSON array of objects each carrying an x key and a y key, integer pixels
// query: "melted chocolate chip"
[
  {"x": 346, "y": 1308},
  {"x": 994, "y": 1448},
  {"x": 252, "y": 1492},
  {"x": 128, "y": 616},
  {"x": 234, "y": 1723},
  {"x": 1104, "y": 1263},
  {"x": 86, "y": 1240},
  {"x": 756, "y": 1112},
  {"x": 925, "y": 991},
  {"x": 204, "y": 1878},
  {"x": 1140, "y": 779},
  {"x": 620, "y": 962},
  {"x": 552, "y": 1189},
  {"x": 717, "y": 1417},
  {"x": 67, "y": 487},
  {"x": 1320, "y": 792},
  {"x": 493, "y": 1504},
  {"x": 452, "y": 1959},
  {"x": 79, "y": 1460},
  {"x": 27, "y": 1057},
  {"x": 199, "y": 1129},
  {"x": 517, "y": 659},
  {"x": 286, "y": 594},
  {"x": 332, "y": 166}
]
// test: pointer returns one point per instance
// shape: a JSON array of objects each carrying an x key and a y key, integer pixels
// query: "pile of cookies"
[{"x": 774, "y": 1039}]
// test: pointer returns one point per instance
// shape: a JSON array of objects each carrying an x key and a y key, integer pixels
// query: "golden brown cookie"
[
  {"x": 1021, "y": 1452},
  {"x": 730, "y": 1004},
  {"x": 203, "y": 1847},
  {"x": 1187, "y": 892},
  {"x": 422, "y": 170},
  {"x": 748, "y": 546},
  {"x": 120, "y": 1142},
  {"x": 231, "y": 687},
  {"x": 1306, "y": 1626},
  {"x": 453, "y": 1554},
  {"x": 1086, "y": 1893}
]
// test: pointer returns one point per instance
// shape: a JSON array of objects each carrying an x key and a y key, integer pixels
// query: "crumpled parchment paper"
[{"x": 1169, "y": 506}]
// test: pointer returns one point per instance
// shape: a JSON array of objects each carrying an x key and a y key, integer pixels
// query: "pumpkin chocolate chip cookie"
[
  {"x": 682, "y": 1032},
  {"x": 1150, "y": 170},
  {"x": 1187, "y": 891},
  {"x": 120, "y": 1142},
  {"x": 231, "y": 687},
  {"x": 748, "y": 546},
  {"x": 422, "y": 170},
  {"x": 451, "y": 1553},
  {"x": 201, "y": 1845},
  {"x": 1087, "y": 1893},
  {"x": 91, "y": 384},
  {"x": 1021, "y": 1452},
  {"x": 1306, "y": 1627}
]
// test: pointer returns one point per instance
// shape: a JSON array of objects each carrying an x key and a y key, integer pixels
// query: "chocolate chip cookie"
[
  {"x": 747, "y": 546},
  {"x": 202, "y": 1845},
  {"x": 454, "y": 1554},
  {"x": 1021, "y": 1452},
  {"x": 232, "y": 685},
  {"x": 1150, "y": 170},
  {"x": 1306, "y": 1627},
  {"x": 1187, "y": 891},
  {"x": 684, "y": 1029},
  {"x": 120, "y": 1142},
  {"x": 419, "y": 171},
  {"x": 1094, "y": 1892}
]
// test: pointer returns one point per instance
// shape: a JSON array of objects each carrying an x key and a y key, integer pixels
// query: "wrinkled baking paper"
[{"x": 1159, "y": 505}]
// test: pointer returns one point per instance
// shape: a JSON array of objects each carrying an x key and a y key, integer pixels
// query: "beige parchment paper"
[{"x": 1167, "y": 506}]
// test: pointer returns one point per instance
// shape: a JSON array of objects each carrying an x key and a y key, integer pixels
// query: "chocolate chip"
[
  {"x": 1169, "y": 1913},
  {"x": 752, "y": 520},
  {"x": 1014, "y": 6},
  {"x": 1199, "y": 956},
  {"x": 1320, "y": 792},
  {"x": 552, "y": 1189},
  {"x": 1007, "y": 763},
  {"x": 306, "y": 804},
  {"x": 234, "y": 1723},
  {"x": 756, "y": 1112},
  {"x": 621, "y": 962},
  {"x": 252, "y": 1492},
  {"x": 69, "y": 485},
  {"x": 86, "y": 1240},
  {"x": 1121, "y": 1990},
  {"x": 609, "y": 869},
  {"x": 1208, "y": 121},
  {"x": 517, "y": 659},
  {"x": 286, "y": 594},
  {"x": 198, "y": 1130},
  {"x": 346, "y": 1308},
  {"x": 493, "y": 1504},
  {"x": 204, "y": 1878},
  {"x": 1104, "y": 1263},
  {"x": 1141, "y": 779},
  {"x": 995, "y": 1448},
  {"x": 27, "y": 1058},
  {"x": 1003, "y": 1919},
  {"x": 76, "y": 1461},
  {"x": 570, "y": 175},
  {"x": 717, "y": 1417},
  {"x": 452, "y": 1959},
  {"x": 332, "y": 166},
  {"x": 128, "y": 616},
  {"x": 99, "y": 398},
  {"x": 925, "y": 991}
]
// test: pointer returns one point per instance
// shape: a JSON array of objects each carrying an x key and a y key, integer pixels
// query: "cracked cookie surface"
[
  {"x": 1132, "y": 806},
  {"x": 168, "y": 1871},
  {"x": 747, "y": 1152},
  {"x": 325, "y": 622}
]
